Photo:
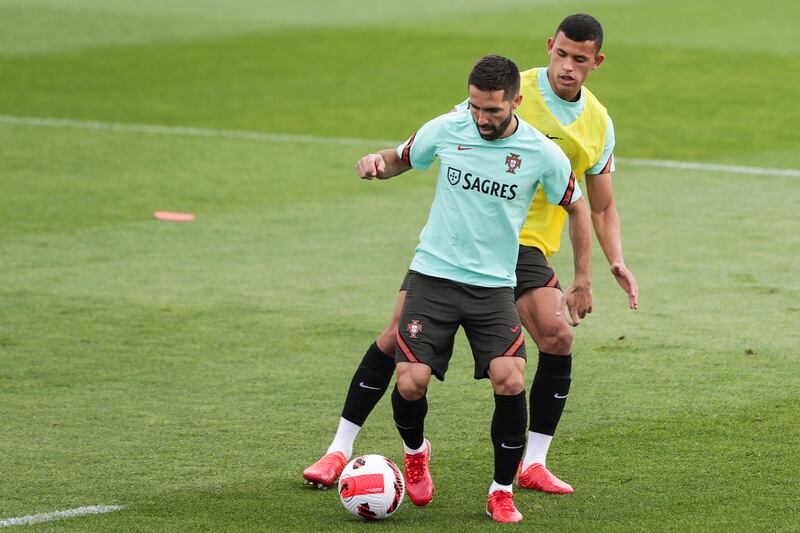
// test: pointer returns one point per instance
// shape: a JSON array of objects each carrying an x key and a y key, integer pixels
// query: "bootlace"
[
  {"x": 415, "y": 466},
  {"x": 504, "y": 500}
]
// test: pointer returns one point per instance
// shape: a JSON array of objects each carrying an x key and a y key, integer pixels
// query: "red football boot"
[
  {"x": 419, "y": 485},
  {"x": 537, "y": 477},
  {"x": 501, "y": 508},
  {"x": 325, "y": 472}
]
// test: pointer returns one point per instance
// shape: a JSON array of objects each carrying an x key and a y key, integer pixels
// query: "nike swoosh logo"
[
  {"x": 403, "y": 427},
  {"x": 503, "y": 445},
  {"x": 515, "y": 329},
  {"x": 363, "y": 386},
  {"x": 552, "y": 138},
  {"x": 559, "y": 396},
  {"x": 461, "y": 148}
]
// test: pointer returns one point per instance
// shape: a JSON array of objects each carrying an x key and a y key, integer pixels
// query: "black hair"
[
  {"x": 582, "y": 27},
  {"x": 495, "y": 73}
]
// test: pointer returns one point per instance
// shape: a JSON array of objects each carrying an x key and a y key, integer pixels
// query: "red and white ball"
[{"x": 371, "y": 487}]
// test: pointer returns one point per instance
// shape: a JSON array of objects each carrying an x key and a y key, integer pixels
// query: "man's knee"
[
  {"x": 412, "y": 380},
  {"x": 510, "y": 385},
  {"x": 411, "y": 390},
  {"x": 541, "y": 312},
  {"x": 507, "y": 375},
  {"x": 555, "y": 338}
]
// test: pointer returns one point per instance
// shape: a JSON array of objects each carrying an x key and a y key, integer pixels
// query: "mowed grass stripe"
[
  {"x": 30, "y": 27},
  {"x": 316, "y": 139},
  {"x": 321, "y": 82},
  {"x": 187, "y": 131}
]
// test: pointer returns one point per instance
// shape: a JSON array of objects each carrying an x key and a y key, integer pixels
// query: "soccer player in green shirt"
[
  {"x": 557, "y": 103},
  {"x": 463, "y": 272}
]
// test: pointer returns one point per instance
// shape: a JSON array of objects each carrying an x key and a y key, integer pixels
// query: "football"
[{"x": 371, "y": 487}]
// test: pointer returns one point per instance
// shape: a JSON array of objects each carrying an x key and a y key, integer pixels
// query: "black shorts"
[
  {"x": 435, "y": 307},
  {"x": 533, "y": 271},
  {"x": 404, "y": 285}
]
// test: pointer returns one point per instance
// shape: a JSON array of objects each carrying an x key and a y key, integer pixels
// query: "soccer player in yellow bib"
[{"x": 556, "y": 102}]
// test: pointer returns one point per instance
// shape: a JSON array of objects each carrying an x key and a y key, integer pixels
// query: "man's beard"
[{"x": 496, "y": 132}]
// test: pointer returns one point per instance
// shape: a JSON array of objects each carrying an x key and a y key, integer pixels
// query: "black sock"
[
  {"x": 370, "y": 381},
  {"x": 549, "y": 391},
  {"x": 409, "y": 417},
  {"x": 508, "y": 435}
]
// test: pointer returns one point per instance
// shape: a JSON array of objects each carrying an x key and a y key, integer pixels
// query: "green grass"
[{"x": 190, "y": 371}]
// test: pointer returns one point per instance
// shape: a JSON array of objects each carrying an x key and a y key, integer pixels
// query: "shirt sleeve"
[
  {"x": 463, "y": 105},
  {"x": 606, "y": 162},
  {"x": 419, "y": 150},
  {"x": 559, "y": 182}
]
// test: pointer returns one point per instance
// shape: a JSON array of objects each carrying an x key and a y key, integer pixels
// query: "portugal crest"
[
  {"x": 453, "y": 175},
  {"x": 414, "y": 327},
  {"x": 513, "y": 162}
]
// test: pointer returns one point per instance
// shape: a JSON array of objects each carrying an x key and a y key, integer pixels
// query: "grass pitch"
[{"x": 189, "y": 372}]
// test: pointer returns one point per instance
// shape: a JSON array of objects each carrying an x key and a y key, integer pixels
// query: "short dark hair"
[
  {"x": 495, "y": 73},
  {"x": 582, "y": 27}
]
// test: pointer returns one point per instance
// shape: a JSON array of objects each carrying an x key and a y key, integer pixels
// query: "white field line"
[
  {"x": 58, "y": 515},
  {"x": 187, "y": 131},
  {"x": 316, "y": 139},
  {"x": 688, "y": 165}
]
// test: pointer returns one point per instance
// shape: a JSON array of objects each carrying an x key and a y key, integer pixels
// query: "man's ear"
[{"x": 598, "y": 59}]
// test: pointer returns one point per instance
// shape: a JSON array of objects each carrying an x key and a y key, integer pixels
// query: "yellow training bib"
[{"x": 582, "y": 141}]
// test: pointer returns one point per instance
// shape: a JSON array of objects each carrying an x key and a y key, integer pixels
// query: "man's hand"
[
  {"x": 627, "y": 281},
  {"x": 578, "y": 301},
  {"x": 371, "y": 166}
]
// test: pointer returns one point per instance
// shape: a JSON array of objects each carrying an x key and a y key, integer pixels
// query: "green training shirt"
[{"x": 483, "y": 192}]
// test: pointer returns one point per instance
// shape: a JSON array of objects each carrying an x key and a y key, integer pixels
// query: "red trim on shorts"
[
  {"x": 567, "y": 199},
  {"x": 406, "y": 155},
  {"x": 607, "y": 168},
  {"x": 405, "y": 349},
  {"x": 515, "y": 347},
  {"x": 553, "y": 281}
]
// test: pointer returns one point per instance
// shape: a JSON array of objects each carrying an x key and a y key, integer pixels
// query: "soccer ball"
[{"x": 371, "y": 487}]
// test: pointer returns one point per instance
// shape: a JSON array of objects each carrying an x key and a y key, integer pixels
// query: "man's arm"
[
  {"x": 382, "y": 165},
  {"x": 578, "y": 296},
  {"x": 607, "y": 228}
]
